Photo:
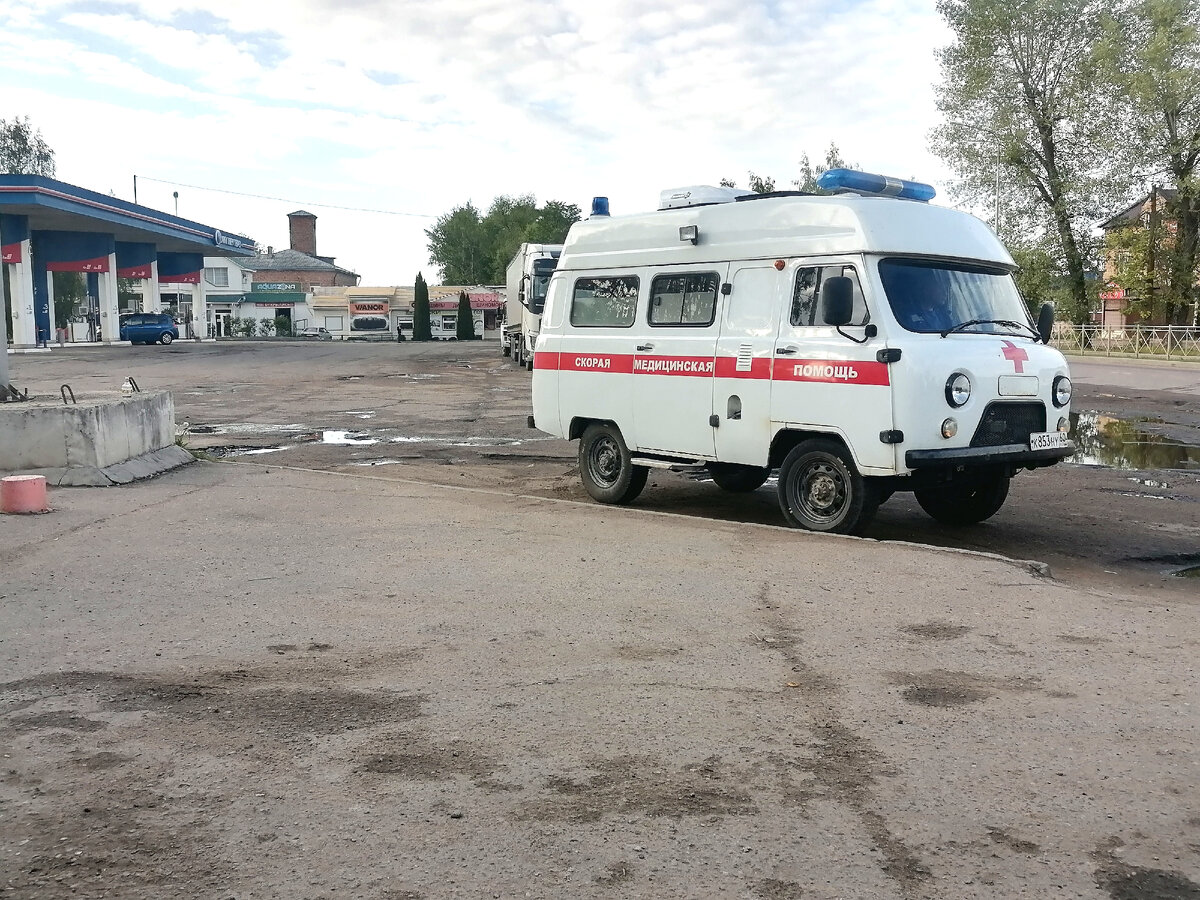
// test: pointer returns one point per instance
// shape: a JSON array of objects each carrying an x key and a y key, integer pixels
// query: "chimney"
[{"x": 302, "y": 227}]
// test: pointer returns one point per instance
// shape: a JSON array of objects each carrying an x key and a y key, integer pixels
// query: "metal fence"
[{"x": 1138, "y": 341}]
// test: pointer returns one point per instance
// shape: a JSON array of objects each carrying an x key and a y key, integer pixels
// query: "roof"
[
  {"x": 301, "y": 212},
  {"x": 767, "y": 228},
  {"x": 1133, "y": 213},
  {"x": 293, "y": 261},
  {"x": 57, "y": 206}
]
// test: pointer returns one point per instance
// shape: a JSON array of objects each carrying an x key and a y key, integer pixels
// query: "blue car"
[{"x": 148, "y": 328}]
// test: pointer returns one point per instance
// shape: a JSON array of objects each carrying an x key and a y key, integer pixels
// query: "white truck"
[
  {"x": 527, "y": 279},
  {"x": 858, "y": 344}
]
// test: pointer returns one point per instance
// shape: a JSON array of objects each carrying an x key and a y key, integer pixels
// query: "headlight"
[
  {"x": 958, "y": 389},
  {"x": 1061, "y": 393}
]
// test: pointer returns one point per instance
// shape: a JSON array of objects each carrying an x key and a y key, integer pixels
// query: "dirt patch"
[
  {"x": 617, "y": 874},
  {"x": 942, "y": 688},
  {"x": 414, "y": 755},
  {"x": 1005, "y": 839},
  {"x": 774, "y": 889},
  {"x": 625, "y": 786},
  {"x": 936, "y": 631}
]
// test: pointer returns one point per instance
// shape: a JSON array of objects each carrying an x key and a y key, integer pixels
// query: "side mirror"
[
  {"x": 1046, "y": 322},
  {"x": 837, "y": 301}
]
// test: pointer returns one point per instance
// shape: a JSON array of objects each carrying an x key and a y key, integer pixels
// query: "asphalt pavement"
[{"x": 249, "y": 680}]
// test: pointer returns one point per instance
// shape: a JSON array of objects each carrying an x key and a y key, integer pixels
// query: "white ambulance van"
[{"x": 860, "y": 343}]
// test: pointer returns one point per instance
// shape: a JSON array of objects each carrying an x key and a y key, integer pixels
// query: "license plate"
[{"x": 1047, "y": 440}]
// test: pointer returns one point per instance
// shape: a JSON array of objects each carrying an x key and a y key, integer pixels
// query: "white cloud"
[{"x": 418, "y": 107}]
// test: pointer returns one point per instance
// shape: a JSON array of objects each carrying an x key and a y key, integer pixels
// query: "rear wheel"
[
  {"x": 606, "y": 467},
  {"x": 965, "y": 504},
  {"x": 821, "y": 490},
  {"x": 738, "y": 479},
  {"x": 166, "y": 337}
]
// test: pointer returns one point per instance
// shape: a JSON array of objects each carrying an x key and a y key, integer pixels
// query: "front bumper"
[{"x": 1018, "y": 455}]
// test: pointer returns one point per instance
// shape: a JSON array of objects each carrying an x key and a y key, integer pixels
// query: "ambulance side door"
[
  {"x": 673, "y": 361},
  {"x": 595, "y": 350},
  {"x": 825, "y": 381},
  {"x": 741, "y": 401}
]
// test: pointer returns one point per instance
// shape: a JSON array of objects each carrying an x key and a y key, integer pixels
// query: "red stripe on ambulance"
[{"x": 832, "y": 371}]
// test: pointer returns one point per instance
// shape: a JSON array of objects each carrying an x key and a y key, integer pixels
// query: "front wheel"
[
  {"x": 821, "y": 490},
  {"x": 965, "y": 504},
  {"x": 166, "y": 337},
  {"x": 606, "y": 467},
  {"x": 738, "y": 479}
]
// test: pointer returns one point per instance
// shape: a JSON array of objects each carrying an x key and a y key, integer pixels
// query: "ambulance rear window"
[
  {"x": 609, "y": 302},
  {"x": 688, "y": 300}
]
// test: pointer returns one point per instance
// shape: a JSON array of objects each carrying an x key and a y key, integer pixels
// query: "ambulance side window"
[
  {"x": 806, "y": 298},
  {"x": 606, "y": 302},
  {"x": 689, "y": 300}
]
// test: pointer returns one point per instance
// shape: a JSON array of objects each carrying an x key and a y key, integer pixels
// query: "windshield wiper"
[{"x": 1007, "y": 323}]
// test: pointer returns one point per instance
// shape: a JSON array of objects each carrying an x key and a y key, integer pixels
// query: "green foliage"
[
  {"x": 127, "y": 296},
  {"x": 266, "y": 327},
  {"x": 23, "y": 150},
  {"x": 421, "y": 329},
  {"x": 465, "y": 325},
  {"x": 1020, "y": 97},
  {"x": 809, "y": 173},
  {"x": 475, "y": 249},
  {"x": 1149, "y": 59},
  {"x": 70, "y": 290},
  {"x": 1042, "y": 278},
  {"x": 283, "y": 326},
  {"x": 758, "y": 184},
  {"x": 247, "y": 327},
  {"x": 233, "y": 326}
]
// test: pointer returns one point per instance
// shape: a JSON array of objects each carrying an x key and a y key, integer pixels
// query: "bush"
[
  {"x": 283, "y": 326},
  {"x": 248, "y": 327},
  {"x": 266, "y": 327},
  {"x": 233, "y": 326}
]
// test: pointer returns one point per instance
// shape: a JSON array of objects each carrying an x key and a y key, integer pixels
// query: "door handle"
[
  {"x": 643, "y": 347},
  {"x": 785, "y": 351}
]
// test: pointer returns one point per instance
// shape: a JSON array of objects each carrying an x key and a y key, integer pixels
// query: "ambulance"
[{"x": 858, "y": 344}]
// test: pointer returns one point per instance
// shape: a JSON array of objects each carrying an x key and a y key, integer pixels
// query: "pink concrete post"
[{"x": 23, "y": 494}]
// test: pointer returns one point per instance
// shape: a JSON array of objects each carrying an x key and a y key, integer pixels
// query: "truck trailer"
[{"x": 526, "y": 282}]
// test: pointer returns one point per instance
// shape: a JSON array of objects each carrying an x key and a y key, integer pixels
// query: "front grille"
[{"x": 1009, "y": 423}]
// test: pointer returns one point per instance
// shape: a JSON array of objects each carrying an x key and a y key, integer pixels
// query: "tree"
[
  {"x": 70, "y": 289},
  {"x": 129, "y": 295},
  {"x": 1150, "y": 56},
  {"x": 474, "y": 249},
  {"x": 807, "y": 182},
  {"x": 758, "y": 184},
  {"x": 421, "y": 330},
  {"x": 809, "y": 173},
  {"x": 464, "y": 328},
  {"x": 1019, "y": 95},
  {"x": 22, "y": 149}
]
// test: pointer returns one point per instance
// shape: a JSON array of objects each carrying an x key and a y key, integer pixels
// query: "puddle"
[
  {"x": 379, "y": 462},
  {"x": 347, "y": 437},
  {"x": 1123, "y": 444},
  {"x": 247, "y": 428},
  {"x": 1179, "y": 565}
]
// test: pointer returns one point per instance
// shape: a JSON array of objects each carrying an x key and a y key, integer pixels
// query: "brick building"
[{"x": 300, "y": 264}]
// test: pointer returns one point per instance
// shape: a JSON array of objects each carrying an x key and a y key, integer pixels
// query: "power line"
[{"x": 197, "y": 187}]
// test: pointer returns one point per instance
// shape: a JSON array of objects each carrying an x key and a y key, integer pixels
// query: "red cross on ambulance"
[{"x": 1016, "y": 355}]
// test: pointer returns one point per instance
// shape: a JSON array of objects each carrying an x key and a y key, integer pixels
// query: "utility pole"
[{"x": 135, "y": 190}]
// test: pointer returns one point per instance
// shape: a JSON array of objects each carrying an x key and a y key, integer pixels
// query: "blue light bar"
[
  {"x": 599, "y": 206},
  {"x": 866, "y": 183}
]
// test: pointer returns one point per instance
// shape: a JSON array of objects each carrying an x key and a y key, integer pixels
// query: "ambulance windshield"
[{"x": 939, "y": 297}]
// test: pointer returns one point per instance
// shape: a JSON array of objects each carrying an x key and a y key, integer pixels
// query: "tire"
[
  {"x": 738, "y": 479},
  {"x": 516, "y": 353},
  {"x": 821, "y": 490},
  {"x": 965, "y": 504},
  {"x": 529, "y": 363},
  {"x": 166, "y": 337},
  {"x": 606, "y": 468}
]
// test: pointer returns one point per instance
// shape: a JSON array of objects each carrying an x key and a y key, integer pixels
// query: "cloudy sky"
[{"x": 400, "y": 110}]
